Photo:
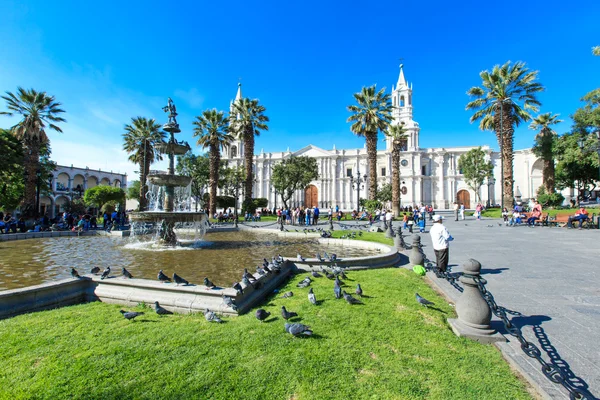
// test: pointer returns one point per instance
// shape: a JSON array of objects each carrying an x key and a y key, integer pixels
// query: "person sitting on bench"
[
  {"x": 536, "y": 213},
  {"x": 581, "y": 215}
]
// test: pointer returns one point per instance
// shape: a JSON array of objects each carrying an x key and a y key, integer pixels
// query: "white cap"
[{"x": 437, "y": 218}]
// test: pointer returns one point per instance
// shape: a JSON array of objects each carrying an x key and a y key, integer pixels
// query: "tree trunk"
[
  {"x": 31, "y": 163},
  {"x": 548, "y": 174},
  {"x": 396, "y": 180},
  {"x": 506, "y": 141},
  {"x": 371, "y": 139},
  {"x": 143, "y": 188},
  {"x": 249, "y": 158},
  {"x": 215, "y": 158}
]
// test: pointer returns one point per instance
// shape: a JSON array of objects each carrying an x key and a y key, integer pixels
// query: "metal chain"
[{"x": 550, "y": 371}]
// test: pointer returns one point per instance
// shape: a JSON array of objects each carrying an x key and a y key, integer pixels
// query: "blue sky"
[{"x": 110, "y": 61}]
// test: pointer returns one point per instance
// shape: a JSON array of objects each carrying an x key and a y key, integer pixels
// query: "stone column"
[
  {"x": 440, "y": 198},
  {"x": 418, "y": 193},
  {"x": 334, "y": 196},
  {"x": 474, "y": 314}
]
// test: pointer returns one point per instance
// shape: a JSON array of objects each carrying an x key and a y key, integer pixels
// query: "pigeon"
[
  {"x": 125, "y": 273},
  {"x": 238, "y": 287},
  {"x": 260, "y": 271},
  {"x": 211, "y": 316},
  {"x": 319, "y": 257},
  {"x": 228, "y": 301},
  {"x": 316, "y": 274},
  {"x": 160, "y": 310},
  {"x": 333, "y": 257},
  {"x": 130, "y": 315},
  {"x": 279, "y": 258},
  {"x": 287, "y": 314},
  {"x": 325, "y": 255},
  {"x": 338, "y": 281},
  {"x": 267, "y": 268},
  {"x": 105, "y": 273},
  {"x": 162, "y": 277},
  {"x": 246, "y": 282},
  {"x": 208, "y": 283},
  {"x": 337, "y": 291},
  {"x": 359, "y": 291},
  {"x": 300, "y": 258},
  {"x": 248, "y": 275},
  {"x": 329, "y": 275},
  {"x": 423, "y": 301},
  {"x": 287, "y": 295},
  {"x": 95, "y": 270},
  {"x": 74, "y": 273},
  {"x": 350, "y": 299},
  {"x": 179, "y": 280},
  {"x": 311, "y": 297},
  {"x": 298, "y": 329},
  {"x": 261, "y": 314},
  {"x": 304, "y": 283},
  {"x": 265, "y": 262}
]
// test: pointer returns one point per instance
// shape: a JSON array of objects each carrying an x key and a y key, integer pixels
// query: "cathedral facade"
[{"x": 427, "y": 175}]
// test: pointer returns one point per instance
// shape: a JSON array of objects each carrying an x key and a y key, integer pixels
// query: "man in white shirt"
[{"x": 440, "y": 238}]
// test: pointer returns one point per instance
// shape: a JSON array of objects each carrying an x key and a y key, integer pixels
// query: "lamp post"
[
  {"x": 358, "y": 183},
  {"x": 274, "y": 191},
  {"x": 235, "y": 205}
]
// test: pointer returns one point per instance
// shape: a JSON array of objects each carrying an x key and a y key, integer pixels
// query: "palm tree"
[
  {"x": 399, "y": 138},
  {"x": 139, "y": 140},
  {"x": 372, "y": 114},
  {"x": 543, "y": 146},
  {"x": 596, "y": 50},
  {"x": 247, "y": 119},
  {"x": 212, "y": 131},
  {"x": 502, "y": 103},
  {"x": 39, "y": 110}
]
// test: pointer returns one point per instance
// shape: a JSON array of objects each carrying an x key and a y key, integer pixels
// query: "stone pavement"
[
  {"x": 552, "y": 277},
  {"x": 549, "y": 275}
]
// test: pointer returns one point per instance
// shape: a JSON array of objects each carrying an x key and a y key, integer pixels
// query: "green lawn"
[
  {"x": 497, "y": 213},
  {"x": 388, "y": 348},
  {"x": 378, "y": 237}
]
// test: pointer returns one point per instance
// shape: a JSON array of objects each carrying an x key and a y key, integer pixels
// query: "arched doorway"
[
  {"x": 311, "y": 196},
  {"x": 463, "y": 197}
]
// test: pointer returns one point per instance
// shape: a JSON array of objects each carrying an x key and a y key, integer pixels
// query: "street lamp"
[
  {"x": 274, "y": 191},
  {"x": 358, "y": 183}
]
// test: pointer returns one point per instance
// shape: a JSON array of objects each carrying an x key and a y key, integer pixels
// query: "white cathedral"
[{"x": 428, "y": 176}]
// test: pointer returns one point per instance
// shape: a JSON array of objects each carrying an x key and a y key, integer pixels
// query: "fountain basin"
[
  {"x": 175, "y": 148},
  {"x": 157, "y": 216},
  {"x": 169, "y": 180}
]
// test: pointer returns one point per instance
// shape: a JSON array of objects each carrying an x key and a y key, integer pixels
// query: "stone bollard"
[
  {"x": 399, "y": 240},
  {"x": 416, "y": 256},
  {"x": 389, "y": 233},
  {"x": 331, "y": 224},
  {"x": 474, "y": 314}
]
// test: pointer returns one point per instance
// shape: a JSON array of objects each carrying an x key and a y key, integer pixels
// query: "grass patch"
[
  {"x": 388, "y": 348},
  {"x": 378, "y": 237},
  {"x": 497, "y": 213}
]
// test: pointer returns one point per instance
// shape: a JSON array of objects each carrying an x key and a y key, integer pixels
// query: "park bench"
[
  {"x": 542, "y": 221},
  {"x": 562, "y": 220}
]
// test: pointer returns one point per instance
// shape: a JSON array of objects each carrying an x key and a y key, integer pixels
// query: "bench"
[
  {"x": 562, "y": 220},
  {"x": 542, "y": 220}
]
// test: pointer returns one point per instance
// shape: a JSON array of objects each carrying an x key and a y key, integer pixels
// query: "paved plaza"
[{"x": 549, "y": 275}]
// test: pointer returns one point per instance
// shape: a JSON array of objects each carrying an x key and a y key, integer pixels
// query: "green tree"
[
  {"x": 508, "y": 91},
  {"x": 587, "y": 118},
  {"x": 100, "y": 195},
  {"x": 475, "y": 169},
  {"x": 232, "y": 181},
  {"x": 246, "y": 121},
  {"x": 386, "y": 193},
  {"x": 399, "y": 140},
  {"x": 596, "y": 50},
  {"x": 11, "y": 171},
  {"x": 139, "y": 140},
  {"x": 133, "y": 190},
  {"x": 544, "y": 146},
  {"x": 371, "y": 114},
  {"x": 293, "y": 174},
  {"x": 576, "y": 168},
  {"x": 38, "y": 111},
  {"x": 212, "y": 132},
  {"x": 198, "y": 168}
]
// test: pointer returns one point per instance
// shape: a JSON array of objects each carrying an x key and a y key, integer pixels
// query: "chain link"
[{"x": 550, "y": 371}]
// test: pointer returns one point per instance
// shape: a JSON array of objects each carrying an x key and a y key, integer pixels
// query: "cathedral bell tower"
[
  {"x": 403, "y": 112},
  {"x": 236, "y": 148}
]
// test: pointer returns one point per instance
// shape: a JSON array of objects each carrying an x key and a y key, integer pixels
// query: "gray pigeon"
[
  {"x": 287, "y": 314},
  {"x": 261, "y": 314},
  {"x": 179, "y": 280},
  {"x": 359, "y": 290},
  {"x": 297, "y": 329},
  {"x": 246, "y": 281},
  {"x": 350, "y": 299},
  {"x": 130, "y": 315},
  {"x": 95, "y": 270},
  {"x": 248, "y": 275},
  {"x": 211, "y": 316},
  {"x": 311, "y": 297},
  {"x": 287, "y": 294},
  {"x": 125, "y": 273},
  {"x": 105, "y": 273},
  {"x": 337, "y": 290},
  {"x": 208, "y": 283},
  {"x": 74, "y": 273},
  {"x": 304, "y": 282},
  {"x": 160, "y": 310},
  {"x": 238, "y": 288},
  {"x": 316, "y": 274},
  {"x": 162, "y": 277},
  {"x": 300, "y": 258},
  {"x": 318, "y": 256},
  {"x": 228, "y": 301},
  {"x": 261, "y": 271},
  {"x": 423, "y": 301},
  {"x": 333, "y": 257},
  {"x": 325, "y": 255}
]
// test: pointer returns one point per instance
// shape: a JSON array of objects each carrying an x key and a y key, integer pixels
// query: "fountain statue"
[{"x": 164, "y": 220}]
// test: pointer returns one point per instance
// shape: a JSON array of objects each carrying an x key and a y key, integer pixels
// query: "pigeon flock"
[{"x": 334, "y": 273}]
